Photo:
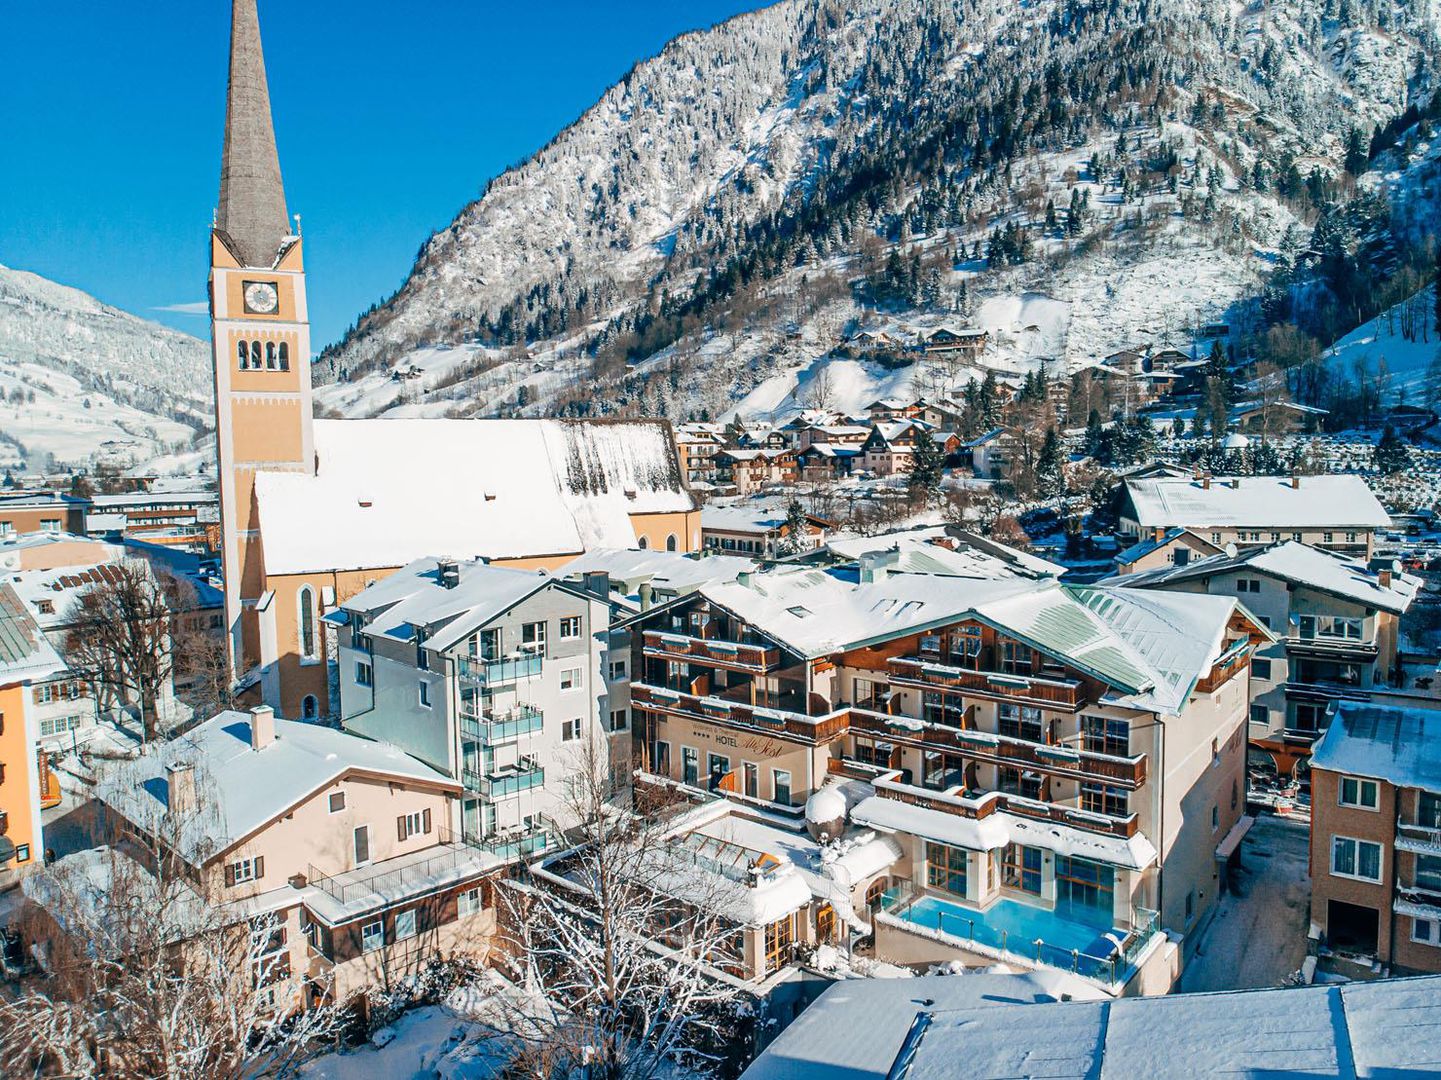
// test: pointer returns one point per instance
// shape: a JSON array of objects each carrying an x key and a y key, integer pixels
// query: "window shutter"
[
  {"x": 425, "y": 821},
  {"x": 229, "y": 874},
  {"x": 400, "y": 826},
  {"x": 259, "y": 867}
]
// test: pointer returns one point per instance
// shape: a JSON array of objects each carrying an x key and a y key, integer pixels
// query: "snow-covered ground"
[{"x": 1411, "y": 362}]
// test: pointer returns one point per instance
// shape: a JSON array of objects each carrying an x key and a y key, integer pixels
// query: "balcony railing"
[
  {"x": 515, "y": 846},
  {"x": 1033, "y": 689},
  {"x": 493, "y": 672},
  {"x": 507, "y": 727},
  {"x": 506, "y": 781},
  {"x": 1332, "y": 646},
  {"x": 1004, "y": 749},
  {"x": 392, "y": 878},
  {"x": 983, "y": 804},
  {"x": 740, "y": 656},
  {"x": 1418, "y": 839},
  {"x": 665, "y": 702}
]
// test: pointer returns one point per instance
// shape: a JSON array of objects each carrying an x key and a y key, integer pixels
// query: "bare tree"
[
  {"x": 120, "y": 638},
  {"x": 145, "y": 975},
  {"x": 619, "y": 939}
]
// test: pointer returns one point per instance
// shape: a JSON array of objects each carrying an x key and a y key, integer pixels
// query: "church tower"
[{"x": 260, "y": 332}]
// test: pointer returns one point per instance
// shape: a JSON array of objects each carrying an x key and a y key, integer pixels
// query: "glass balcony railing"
[
  {"x": 505, "y": 782},
  {"x": 515, "y": 846},
  {"x": 493, "y": 672},
  {"x": 493, "y": 730}
]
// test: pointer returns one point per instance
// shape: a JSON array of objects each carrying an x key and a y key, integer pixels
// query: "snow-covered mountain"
[
  {"x": 85, "y": 384},
  {"x": 726, "y": 216}
]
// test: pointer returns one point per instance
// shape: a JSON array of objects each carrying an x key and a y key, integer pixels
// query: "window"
[
  {"x": 752, "y": 777},
  {"x": 642, "y": 543},
  {"x": 1428, "y": 810},
  {"x": 1359, "y": 793},
  {"x": 617, "y": 670},
  {"x": 363, "y": 675},
  {"x": 1248, "y": 585},
  {"x": 1260, "y": 715},
  {"x": 50, "y": 525},
  {"x": 1428, "y": 872},
  {"x": 660, "y": 759},
  {"x": 404, "y": 925},
  {"x": 486, "y": 644},
  {"x": 1327, "y": 537},
  {"x": 532, "y": 637},
  {"x": 255, "y": 355},
  {"x": 1350, "y": 538},
  {"x": 570, "y": 731},
  {"x": 1106, "y": 735},
  {"x": 467, "y": 902},
  {"x": 780, "y": 935},
  {"x": 1330, "y": 626},
  {"x": 362, "y": 844},
  {"x": 570, "y": 627},
  {"x": 570, "y": 678},
  {"x": 1021, "y": 722},
  {"x": 1215, "y": 818},
  {"x": 671, "y": 544},
  {"x": 372, "y": 936},
  {"x": 242, "y": 353},
  {"x": 619, "y": 719},
  {"x": 1359, "y": 859},
  {"x": 689, "y": 764},
  {"x": 243, "y": 870},
  {"x": 1015, "y": 658},
  {"x": 946, "y": 868},
  {"x": 284, "y": 356},
  {"x": 22, "y": 852},
  {"x": 56, "y": 725},
  {"x": 781, "y": 786},
  {"x": 716, "y": 767},
  {"x": 336, "y": 801},
  {"x": 1021, "y": 868},
  {"x": 1426, "y": 931},
  {"x": 1104, "y": 799},
  {"x": 413, "y": 824},
  {"x": 1260, "y": 668},
  {"x": 422, "y": 690},
  {"x": 270, "y": 355},
  {"x": 309, "y": 707},
  {"x": 1310, "y": 717}
]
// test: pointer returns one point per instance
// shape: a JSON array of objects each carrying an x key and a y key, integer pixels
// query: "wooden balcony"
[
  {"x": 1068, "y": 761},
  {"x": 1228, "y": 665},
  {"x": 734, "y": 655},
  {"x": 983, "y": 804},
  {"x": 783, "y": 723},
  {"x": 1068, "y": 694}
]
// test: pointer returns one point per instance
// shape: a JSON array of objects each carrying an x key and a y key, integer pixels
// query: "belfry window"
[
  {"x": 270, "y": 355},
  {"x": 242, "y": 350},
  {"x": 307, "y": 623},
  {"x": 284, "y": 356},
  {"x": 255, "y": 355}
]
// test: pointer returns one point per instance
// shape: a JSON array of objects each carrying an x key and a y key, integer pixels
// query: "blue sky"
[{"x": 390, "y": 117}]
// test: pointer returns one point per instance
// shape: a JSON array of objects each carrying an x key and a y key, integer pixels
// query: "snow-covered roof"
[
  {"x": 670, "y": 572},
  {"x": 1333, "y": 501},
  {"x": 389, "y": 491},
  {"x": 941, "y": 549},
  {"x": 1393, "y": 743},
  {"x": 239, "y": 788},
  {"x": 944, "y": 1027},
  {"x": 24, "y": 652},
  {"x": 1299, "y": 564},
  {"x": 52, "y": 593},
  {"x": 414, "y": 596},
  {"x": 1151, "y": 543}
]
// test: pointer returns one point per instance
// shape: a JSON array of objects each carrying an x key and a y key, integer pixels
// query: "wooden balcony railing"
[
  {"x": 735, "y": 655},
  {"x": 1031, "y": 689},
  {"x": 1067, "y": 761},
  {"x": 984, "y": 804},
  {"x": 1227, "y": 666},
  {"x": 812, "y": 729}
]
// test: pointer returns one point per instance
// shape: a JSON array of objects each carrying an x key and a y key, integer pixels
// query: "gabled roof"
[
  {"x": 1144, "y": 547},
  {"x": 386, "y": 492},
  {"x": 1332, "y": 501},
  {"x": 241, "y": 789},
  {"x": 1300, "y": 564},
  {"x": 24, "y": 653}
]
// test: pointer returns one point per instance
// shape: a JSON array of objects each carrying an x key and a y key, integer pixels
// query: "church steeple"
[{"x": 251, "y": 213}]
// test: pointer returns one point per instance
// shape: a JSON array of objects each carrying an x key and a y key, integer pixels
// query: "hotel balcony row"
[{"x": 757, "y": 659}]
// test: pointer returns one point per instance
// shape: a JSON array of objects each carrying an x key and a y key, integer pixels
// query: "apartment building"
[
  {"x": 343, "y": 841},
  {"x": 40, "y": 511},
  {"x": 25, "y": 658},
  {"x": 1335, "y": 622},
  {"x": 1051, "y": 760},
  {"x": 500, "y": 679},
  {"x": 696, "y": 448},
  {"x": 1334, "y": 512},
  {"x": 1376, "y": 836}
]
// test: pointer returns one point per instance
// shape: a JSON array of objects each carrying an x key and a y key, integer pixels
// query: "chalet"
[
  {"x": 967, "y": 343},
  {"x": 749, "y": 470},
  {"x": 826, "y": 461},
  {"x": 1276, "y": 418},
  {"x": 892, "y": 409},
  {"x": 752, "y": 530},
  {"x": 991, "y": 454},
  {"x": 1167, "y": 359},
  {"x": 1164, "y": 548}
]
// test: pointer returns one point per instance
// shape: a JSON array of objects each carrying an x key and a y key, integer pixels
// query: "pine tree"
[
  {"x": 989, "y": 405},
  {"x": 1050, "y": 466},
  {"x": 1436, "y": 289},
  {"x": 1095, "y": 434},
  {"x": 1393, "y": 454},
  {"x": 797, "y": 530},
  {"x": 927, "y": 468}
]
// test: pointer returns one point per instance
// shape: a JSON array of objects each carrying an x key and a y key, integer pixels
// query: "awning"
[{"x": 1227, "y": 847}]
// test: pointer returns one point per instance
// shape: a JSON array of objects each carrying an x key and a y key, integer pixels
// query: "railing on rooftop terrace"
[
  {"x": 1041, "y": 690},
  {"x": 515, "y": 846},
  {"x": 386, "y": 878}
]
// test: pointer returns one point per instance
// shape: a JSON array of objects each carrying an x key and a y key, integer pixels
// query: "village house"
[
  {"x": 41, "y": 511},
  {"x": 750, "y": 470},
  {"x": 1022, "y": 741},
  {"x": 1337, "y": 512},
  {"x": 1164, "y": 548},
  {"x": 26, "y": 658},
  {"x": 1376, "y": 838},
  {"x": 891, "y": 409},
  {"x": 821, "y": 462},
  {"x": 967, "y": 343},
  {"x": 1275, "y": 418},
  {"x": 754, "y": 530},
  {"x": 697, "y": 445},
  {"x": 1335, "y": 623},
  {"x": 342, "y": 844},
  {"x": 891, "y": 445},
  {"x": 991, "y": 454},
  {"x": 181, "y": 519}
]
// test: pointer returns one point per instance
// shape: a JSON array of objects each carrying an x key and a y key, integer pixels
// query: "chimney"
[
  {"x": 1296, "y": 481},
  {"x": 646, "y": 596},
  {"x": 447, "y": 571},
  {"x": 262, "y": 727},
  {"x": 1383, "y": 578},
  {"x": 1235, "y": 483},
  {"x": 1206, "y": 482},
  {"x": 744, "y": 579},
  {"x": 597, "y": 583},
  {"x": 1158, "y": 534},
  {"x": 180, "y": 782}
]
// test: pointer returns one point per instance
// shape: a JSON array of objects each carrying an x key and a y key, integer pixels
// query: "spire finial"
[{"x": 252, "y": 199}]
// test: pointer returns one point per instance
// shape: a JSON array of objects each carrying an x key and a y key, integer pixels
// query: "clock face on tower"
[{"x": 261, "y": 298}]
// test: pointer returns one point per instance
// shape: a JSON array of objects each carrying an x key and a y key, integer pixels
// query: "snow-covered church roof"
[{"x": 386, "y": 492}]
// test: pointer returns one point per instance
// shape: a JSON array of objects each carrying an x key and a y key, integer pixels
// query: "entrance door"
[{"x": 1352, "y": 927}]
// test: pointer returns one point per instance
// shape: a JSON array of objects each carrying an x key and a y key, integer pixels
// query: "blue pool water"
[{"x": 1015, "y": 927}]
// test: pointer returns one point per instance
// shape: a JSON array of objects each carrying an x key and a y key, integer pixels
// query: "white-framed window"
[
  {"x": 570, "y": 627},
  {"x": 243, "y": 870},
  {"x": 372, "y": 936},
  {"x": 1426, "y": 931},
  {"x": 532, "y": 637},
  {"x": 336, "y": 802},
  {"x": 364, "y": 676},
  {"x": 404, "y": 924},
  {"x": 619, "y": 719},
  {"x": 570, "y": 730},
  {"x": 1328, "y": 537},
  {"x": 422, "y": 690},
  {"x": 1358, "y": 792},
  {"x": 58, "y": 725},
  {"x": 617, "y": 670},
  {"x": 1352, "y": 858},
  {"x": 781, "y": 786},
  {"x": 305, "y": 622},
  {"x": 467, "y": 902},
  {"x": 1346, "y": 628},
  {"x": 414, "y": 824},
  {"x": 570, "y": 678}
]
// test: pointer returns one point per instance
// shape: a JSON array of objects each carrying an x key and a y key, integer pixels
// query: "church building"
[{"x": 313, "y": 511}]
